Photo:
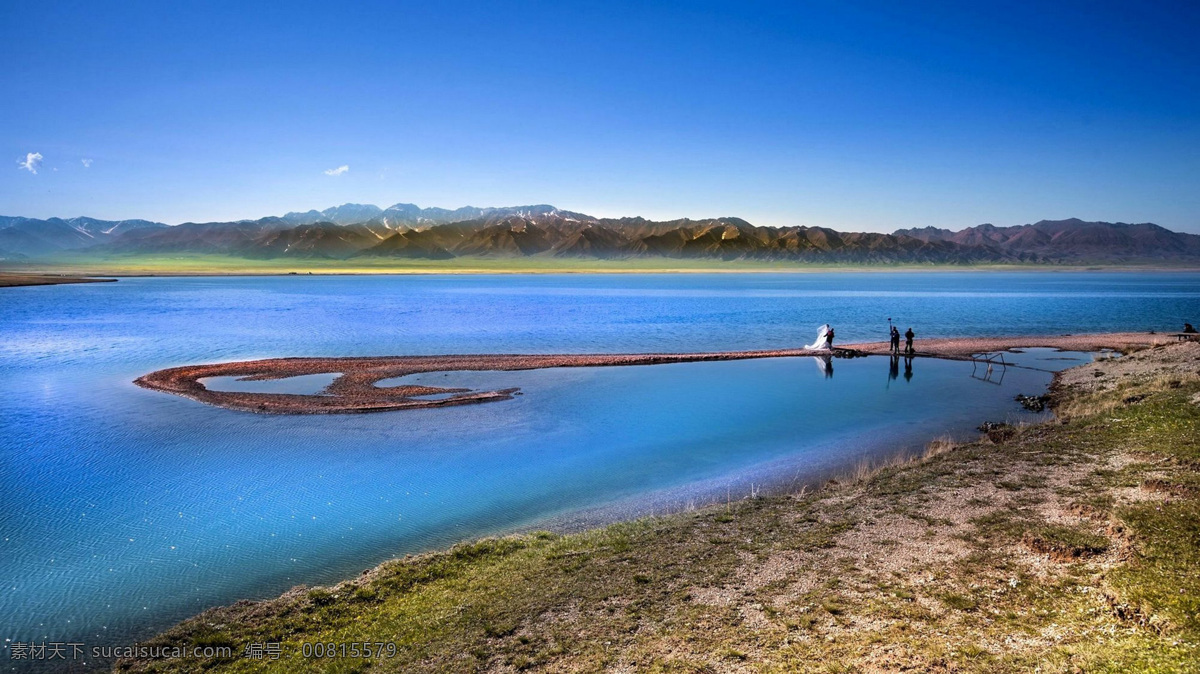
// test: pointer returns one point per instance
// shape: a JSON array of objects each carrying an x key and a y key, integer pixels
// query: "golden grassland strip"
[
  {"x": 1068, "y": 546},
  {"x": 216, "y": 265}
]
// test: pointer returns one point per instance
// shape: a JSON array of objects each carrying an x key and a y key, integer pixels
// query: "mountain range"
[{"x": 408, "y": 231}]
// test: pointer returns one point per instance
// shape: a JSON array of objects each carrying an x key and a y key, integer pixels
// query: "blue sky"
[{"x": 858, "y": 116}]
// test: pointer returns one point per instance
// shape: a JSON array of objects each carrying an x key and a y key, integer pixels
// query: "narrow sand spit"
[
  {"x": 355, "y": 390},
  {"x": 15, "y": 280}
]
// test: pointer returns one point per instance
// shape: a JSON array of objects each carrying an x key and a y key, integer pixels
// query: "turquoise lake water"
[{"x": 123, "y": 510}]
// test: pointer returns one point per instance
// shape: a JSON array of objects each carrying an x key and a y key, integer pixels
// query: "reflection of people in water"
[
  {"x": 908, "y": 368},
  {"x": 894, "y": 367},
  {"x": 825, "y": 365}
]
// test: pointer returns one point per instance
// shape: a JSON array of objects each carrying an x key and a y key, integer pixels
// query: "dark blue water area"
[{"x": 123, "y": 510}]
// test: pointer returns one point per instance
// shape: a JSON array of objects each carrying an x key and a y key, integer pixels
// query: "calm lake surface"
[{"x": 123, "y": 510}]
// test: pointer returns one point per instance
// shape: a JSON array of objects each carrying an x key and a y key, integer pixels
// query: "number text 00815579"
[{"x": 349, "y": 649}]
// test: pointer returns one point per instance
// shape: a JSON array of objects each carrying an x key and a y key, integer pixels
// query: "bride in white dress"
[{"x": 821, "y": 344}]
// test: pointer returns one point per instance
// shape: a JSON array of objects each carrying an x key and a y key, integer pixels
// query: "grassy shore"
[
  {"x": 1067, "y": 546},
  {"x": 199, "y": 264}
]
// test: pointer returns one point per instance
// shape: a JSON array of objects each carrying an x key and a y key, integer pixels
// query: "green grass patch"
[
  {"x": 1064, "y": 543},
  {"x": 1162, "y": 582}
]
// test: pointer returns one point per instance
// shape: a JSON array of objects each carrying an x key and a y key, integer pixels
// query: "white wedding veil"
[{"x": 820, "y": 343}]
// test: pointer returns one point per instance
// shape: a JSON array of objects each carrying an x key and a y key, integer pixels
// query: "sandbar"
[
  {"x": 355, "y": 390},
  {"x": 16, "y": 280}
]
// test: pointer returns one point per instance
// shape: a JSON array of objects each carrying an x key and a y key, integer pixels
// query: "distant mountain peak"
[{"x": 408, "y": 230}]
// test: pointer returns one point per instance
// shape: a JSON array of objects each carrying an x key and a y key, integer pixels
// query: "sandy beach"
[{"x": 355, "y": 391}]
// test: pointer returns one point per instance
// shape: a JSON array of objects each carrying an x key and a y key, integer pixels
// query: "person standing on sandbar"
[{"x": 908, "y": 338}]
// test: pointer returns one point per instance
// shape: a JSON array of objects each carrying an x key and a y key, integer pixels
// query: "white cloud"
[
  {"x": 331, "y": 172},
  {"x": 33, "y": 160},
  {"x": 87, "y": 163}
]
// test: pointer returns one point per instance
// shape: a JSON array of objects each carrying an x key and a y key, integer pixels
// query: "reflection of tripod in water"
[{"x": 984, "y": 368}]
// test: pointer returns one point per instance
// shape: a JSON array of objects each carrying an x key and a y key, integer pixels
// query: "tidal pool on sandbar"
[{"x": 305, "y": 384}]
